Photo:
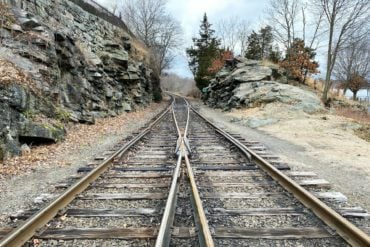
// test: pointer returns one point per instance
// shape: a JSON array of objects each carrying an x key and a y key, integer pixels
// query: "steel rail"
[
  {"x": 24, "y": 232},
  {"x": 205, "y": 235},
  {"x": 164, "y": 233},
  {"x": 348, "y": 231}
]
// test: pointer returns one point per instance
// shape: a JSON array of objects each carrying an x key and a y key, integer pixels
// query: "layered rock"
[
  {"x": 248, "y": 83},
  {"x": 79, "y": 62}
]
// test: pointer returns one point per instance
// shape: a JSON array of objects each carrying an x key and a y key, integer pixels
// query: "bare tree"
[
  {"x": 243, "y": 31},
  {"x": 233, "y": 33},
  {"x": 283, "y": 16},
  {"x": 167, "y": 40},
  {"x": 354, "y": 59},
  {"x": 175, "y": 83},
  {"x": 345, "y": 20},
  {"x": 149, "y": 20},
  {"x": 290, "y": 20}
]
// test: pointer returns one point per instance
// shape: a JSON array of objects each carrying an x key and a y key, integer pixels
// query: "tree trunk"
[
  {"x": 345, "y": 91},
  {"x": 355, "y": 95},
  {"x": 329, "y": 61}
]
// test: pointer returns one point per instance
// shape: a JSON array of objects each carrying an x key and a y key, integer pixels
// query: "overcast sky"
[{"x": 190, "y": 13}]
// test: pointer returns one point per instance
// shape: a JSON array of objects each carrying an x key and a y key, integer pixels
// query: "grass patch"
[
  {"x": 361, "y": 117},
  {"x": 364, "y": 132}
]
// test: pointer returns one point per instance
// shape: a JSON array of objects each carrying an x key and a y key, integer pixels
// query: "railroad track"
[{"x": 184, "y": 182}]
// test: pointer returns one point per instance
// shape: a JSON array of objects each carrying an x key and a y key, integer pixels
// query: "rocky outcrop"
[
  {"x": 77, "y": 63},
  {"x": 248, "y": 83}
]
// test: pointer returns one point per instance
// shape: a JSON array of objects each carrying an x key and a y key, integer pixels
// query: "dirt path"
[
  {"x": 33, "y": 174},
  {"x": 323, "y": 143}
]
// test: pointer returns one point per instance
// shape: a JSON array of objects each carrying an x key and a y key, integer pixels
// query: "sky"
[{"x": 190, "y": 13}]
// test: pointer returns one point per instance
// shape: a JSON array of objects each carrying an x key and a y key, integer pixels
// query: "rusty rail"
[{"x": 164, "y": 233}]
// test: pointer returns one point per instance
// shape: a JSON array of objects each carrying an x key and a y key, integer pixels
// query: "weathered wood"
[
  {"x": 240, "y": 195},
  {"x": 331, "y": 195},
  {"x": 314, "y": 182},
  {"x": 250, "y": 173},
  {"x": 113, "y": 233},
  {"x": 355, "y": 212},
  {"x": 4, "y": 231},
  {"x": 75, "y": 212},
  {"x": 272, "y": 233},
  {"x": 128, "y": 212},
  {"x": 256, "y": 211},
  {"x": 119, "y": 186},
  {"x": 150, "y": 156},
  {"x": 337, "y": 196},
  {"x": 124, "y": 169},
  {"x": 147, "y": 162},
  {"x": 139, "y": 175},
  {"x": 99, "y": 233},
  {"x": 132, "y": 175},
  {"x": 123, "y": 196},
  {"x": 226, "y": 167}
]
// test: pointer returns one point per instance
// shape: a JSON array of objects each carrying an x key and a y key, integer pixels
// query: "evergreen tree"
[
  {"x": 265, "y": 37},
  {"x": 259, "y": 45},
  {"x": 254, "y": 49},
  {"x": 275, "y": 55},
  {"x": 203, "y": 52}
]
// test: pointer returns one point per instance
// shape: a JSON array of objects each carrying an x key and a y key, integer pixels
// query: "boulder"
[
  {"x": 251, "y": 73},
  {"x": 41, "y": 133},
  {"x": 264, "y": 92},
  {"x": 249, "y": 83}
]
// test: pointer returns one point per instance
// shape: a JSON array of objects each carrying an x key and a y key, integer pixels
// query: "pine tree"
[
  {"x": 203, "y": 52},
  {"x": 259, "y": 45},
  {"x": 266, "y": 39},
  {"x": 254, "y": 49}
]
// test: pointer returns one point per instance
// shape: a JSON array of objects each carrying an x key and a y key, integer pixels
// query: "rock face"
[
  {"x": 81, "y": 62},
  {"x": 247, "y": 83}
]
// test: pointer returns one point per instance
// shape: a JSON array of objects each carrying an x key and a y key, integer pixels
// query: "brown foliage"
[
  {"x": 355, "y": 83},
  {"x": 298, "y": 63},
  {"x": 219, "y": 62},
  {"x": 11, "y": 74},
  {"x": 6, "y": 16}
]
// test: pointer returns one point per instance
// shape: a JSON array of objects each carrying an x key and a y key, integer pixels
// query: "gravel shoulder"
[
  {"x": 24, "y": 178},
  {"x": 322, "y": 143}
]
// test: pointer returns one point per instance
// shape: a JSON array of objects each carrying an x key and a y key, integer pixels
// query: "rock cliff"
[
  {"x": 249, "y": 83},
  {"x": 62, "y": 61}
]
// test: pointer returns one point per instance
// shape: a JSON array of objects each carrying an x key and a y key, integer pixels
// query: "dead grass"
[
  {"x": 141, "y": 52},
  {"x": 359, "y": 116},
  {"x": 268, "y": 63},
  {"x": 364, "y": 132}
]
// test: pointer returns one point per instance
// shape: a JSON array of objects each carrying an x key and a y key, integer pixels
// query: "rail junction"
[{"x": 182, "y": 181}]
